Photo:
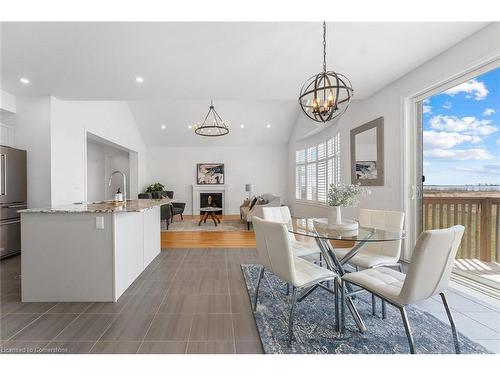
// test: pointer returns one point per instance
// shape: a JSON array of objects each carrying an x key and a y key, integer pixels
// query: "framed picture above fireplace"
[{"x": 210, "y": 173}]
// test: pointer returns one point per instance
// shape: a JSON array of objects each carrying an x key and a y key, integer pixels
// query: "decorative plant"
[
  {"x": 155, "y": 187},
  {"x": 344, "y": 195}
]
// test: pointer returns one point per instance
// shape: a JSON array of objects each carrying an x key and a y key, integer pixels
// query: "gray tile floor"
[{"x": 186, "y": 301}]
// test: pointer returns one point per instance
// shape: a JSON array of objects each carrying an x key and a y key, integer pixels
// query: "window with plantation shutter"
[
  {"x": 300, "y": 174},
  {"x": 316, "y": 167}
]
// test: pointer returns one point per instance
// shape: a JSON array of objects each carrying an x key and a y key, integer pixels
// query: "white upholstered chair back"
[
  {"x": 279, "y": 214},
  {"x": 273, "y": 248},
  {"x": 392, "y": 221},
  {"x": 431, "y": 263}
]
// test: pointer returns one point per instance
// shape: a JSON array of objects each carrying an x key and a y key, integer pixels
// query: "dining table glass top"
[{"x": 318, "y": 228}]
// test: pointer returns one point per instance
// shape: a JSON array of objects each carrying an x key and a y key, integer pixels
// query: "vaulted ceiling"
[{"x": 254, "y": 69}]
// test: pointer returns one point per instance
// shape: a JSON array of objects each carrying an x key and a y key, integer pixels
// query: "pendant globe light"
[
  {"x": 326, "y": 95},
  {"x": 214, "y": 128}
]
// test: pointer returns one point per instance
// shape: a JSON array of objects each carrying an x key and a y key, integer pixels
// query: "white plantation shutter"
[
  {"x": 300, "y": 156},
  {"x": 300, "y": 182},
  {"x": 322, "y": 173},
  {"x": 311, "y": 154},
  {"x": 311, "y": 182},
  {"x": 300, "y": 174},
  {"x": 336, "y": 159},
  {"x": 316, "y": 167}
]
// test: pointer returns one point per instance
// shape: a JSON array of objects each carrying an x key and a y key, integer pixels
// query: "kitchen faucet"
[{"x": 124, "y": 183}]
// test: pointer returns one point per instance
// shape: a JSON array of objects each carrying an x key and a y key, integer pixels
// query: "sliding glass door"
[{"x": 459, "y": 170}]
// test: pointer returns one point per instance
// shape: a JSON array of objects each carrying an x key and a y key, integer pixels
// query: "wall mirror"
[{"x": 367, "y": 153}]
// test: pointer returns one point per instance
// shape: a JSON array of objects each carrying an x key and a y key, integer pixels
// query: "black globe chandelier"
[
  {"x": 326, "y": 95},
  {"x": 215, "y": 128}
]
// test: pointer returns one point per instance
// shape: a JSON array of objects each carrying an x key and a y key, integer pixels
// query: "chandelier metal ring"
[{"x": 216, "y": 128}]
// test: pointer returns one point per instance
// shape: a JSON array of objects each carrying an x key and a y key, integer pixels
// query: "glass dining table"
[{"x": 318, "y": 229}]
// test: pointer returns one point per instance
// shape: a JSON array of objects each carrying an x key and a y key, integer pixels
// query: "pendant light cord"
[{"x": 324, "y": 46}]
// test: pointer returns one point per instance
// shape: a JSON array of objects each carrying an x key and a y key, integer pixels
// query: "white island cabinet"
[{"x": 87, "y": 252}]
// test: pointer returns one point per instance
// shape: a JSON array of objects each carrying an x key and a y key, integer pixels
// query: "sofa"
[{"x": 264, "y": 200}]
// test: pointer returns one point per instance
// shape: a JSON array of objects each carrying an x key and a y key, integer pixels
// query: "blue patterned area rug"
[{"x": 315, "y": 322}]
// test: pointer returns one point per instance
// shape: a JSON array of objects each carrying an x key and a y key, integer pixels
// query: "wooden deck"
[{"x": 488, "y": 270}]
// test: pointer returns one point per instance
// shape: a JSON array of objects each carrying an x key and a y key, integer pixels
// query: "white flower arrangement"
[{"x": 344, "y": 195}]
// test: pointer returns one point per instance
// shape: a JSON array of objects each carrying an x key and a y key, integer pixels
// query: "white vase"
[{"x": 334, "y": 216}]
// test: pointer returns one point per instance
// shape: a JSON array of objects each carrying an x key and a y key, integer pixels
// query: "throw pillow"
[
  {"x": 260, "y": 201},
  {"x": 252, "y": 203}
]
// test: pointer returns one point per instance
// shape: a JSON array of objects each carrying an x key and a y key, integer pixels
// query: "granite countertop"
[{"x": 137, "y": 205}]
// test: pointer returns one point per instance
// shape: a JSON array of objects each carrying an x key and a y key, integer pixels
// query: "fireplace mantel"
[{"x": 197, "y": 189}]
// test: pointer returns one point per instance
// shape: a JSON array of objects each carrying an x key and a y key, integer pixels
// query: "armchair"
[
  {"x": 177, "y": 207},
  {"x": 165, "y": 210}
]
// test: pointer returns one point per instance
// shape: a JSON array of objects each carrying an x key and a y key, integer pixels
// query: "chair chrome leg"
[
  {"x": 321, "y": 259},
  {"x": 356, "y": 268},
  {"x": 336, "y": 287},
  {"x": 452, "y": 323},
  {"x": 287, "y": 289},
  {"x": 342, "y": 306},
  {"x": 374, "y": 307},
  {"x": 261, "y": 274},
  {"x": 384, "y": 315},
  {"x": 400, "y": 266},
  {"x": 407, "y": 330},
  {"x": 292, "y": 313}
]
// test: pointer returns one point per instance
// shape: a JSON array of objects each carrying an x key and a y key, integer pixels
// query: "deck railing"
[{"x": 479, "y": 215}]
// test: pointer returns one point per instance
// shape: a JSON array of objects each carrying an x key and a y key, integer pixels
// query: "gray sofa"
[{"x": 246, "y": 214}]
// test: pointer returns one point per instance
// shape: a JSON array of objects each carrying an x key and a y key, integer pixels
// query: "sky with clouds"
[{"x": 461, "y": 133}]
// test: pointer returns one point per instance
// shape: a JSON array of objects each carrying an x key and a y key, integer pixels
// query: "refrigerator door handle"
[
  {"x": 17, "y": 205},
  {"x": 3, "y": 174},
  {"x": 8, "y": 222}
]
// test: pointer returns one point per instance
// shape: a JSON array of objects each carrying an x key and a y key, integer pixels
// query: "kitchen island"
[{"x": 87, "y": 252}]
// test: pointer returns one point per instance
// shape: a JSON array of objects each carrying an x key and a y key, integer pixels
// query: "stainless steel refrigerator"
[{"x": 12, "y": 198}]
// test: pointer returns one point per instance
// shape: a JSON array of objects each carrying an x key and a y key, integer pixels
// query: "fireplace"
[
  {"x": 212, "y": 200},
  {"x": 212, "y": 190}
]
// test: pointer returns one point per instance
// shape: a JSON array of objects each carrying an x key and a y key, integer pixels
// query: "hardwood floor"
[
  {"x": 221, "y": 240},
  {"x": 199, "y": 240}
]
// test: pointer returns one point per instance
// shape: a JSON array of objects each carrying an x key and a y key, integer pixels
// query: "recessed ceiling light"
[
  {"x": 190, "y": 127},
  {"x": 163, "y": 127},
  {"x": 268, "y": 126},
  {"x": 26, "y": 81},
  {"x": 139, "y": 79},
  {"x": 242, "y": 126}
]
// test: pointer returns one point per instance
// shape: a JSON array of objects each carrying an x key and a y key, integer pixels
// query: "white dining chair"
[
  {"x": 282, "y": 215},
  {"x": 377, "y": 254},
  {"x": 428, "y": 275},
  {"x": 276, "y": 255}
]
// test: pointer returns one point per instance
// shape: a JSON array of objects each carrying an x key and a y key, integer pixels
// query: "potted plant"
[
  {"x": 343, "y": 195},
  {"x": 155, "y": 187}
]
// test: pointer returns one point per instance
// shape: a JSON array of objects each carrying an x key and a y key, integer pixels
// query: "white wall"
[
  {"x": 111, "y": 120},
  {"x": 95, "y": 172},
  {"x": 102, "y": 160},
  {"x": 32, "y": 133},
  {"x": 388, "y": 102},
  {"x": 263, "y": 166}
]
